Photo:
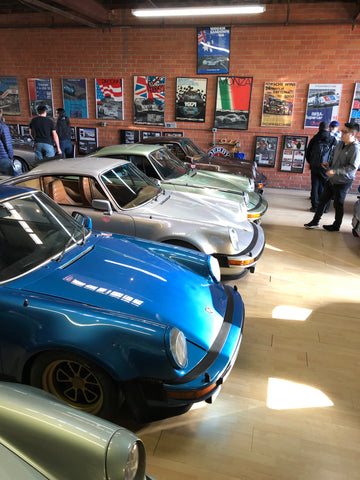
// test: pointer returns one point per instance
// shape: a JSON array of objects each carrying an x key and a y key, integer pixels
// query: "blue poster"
[
  {"x": 40, "y": 94},
  {"x": 75, "y": 97},
  {"x": 213, "y": 50},
  {"x": 9, "y": 96},
  {"x": 322, "y": 104}
]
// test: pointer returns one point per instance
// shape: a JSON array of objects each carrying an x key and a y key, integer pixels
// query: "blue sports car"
[{"x": 101, "y": 320}]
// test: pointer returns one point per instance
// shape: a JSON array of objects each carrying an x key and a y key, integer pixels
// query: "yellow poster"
[{"x": 278, "y": 104}]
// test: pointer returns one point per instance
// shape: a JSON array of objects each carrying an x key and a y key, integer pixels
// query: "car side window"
[
  {"x": 144, "y": 165},
  {"x": 72, "y": 189},
  {"x": 30, "y": 183}
]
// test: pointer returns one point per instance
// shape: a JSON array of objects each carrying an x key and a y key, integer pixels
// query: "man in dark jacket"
[
  {"x": 318, "y": 152},
  {"x": 6, "y": 149},
  {"x": 341, "y": 174}
]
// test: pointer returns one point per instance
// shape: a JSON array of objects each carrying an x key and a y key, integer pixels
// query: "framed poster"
[
  {"x": 14, "y": 130},
  {"x": 109, "y": 98},
  {"x": 40, "y": 93},
  {"x": 25, "y": 131},
  {"x": 173, "y": 134},
  {"x": 129, "y": 136},
  {"x": 213, "y": 50},
  {"x": 73, "y": 136},
  {"x": 190, "y": 99},
  {"x": 355, "y": 106},
  {"x": 87, "y": 140},
  {"x": 293, "y": 154},
  {"x": 150, "y": 133},
  {"x": 149, "y": 100},
  {"x": 9, "y": 96},
  {"x": 278, "y": 104},
  {"x": 322, "y": 104},
  {"x": 232, "y": 105},
  {"x": 75, "y": 97},
  {"x": 265, "y": 151}
]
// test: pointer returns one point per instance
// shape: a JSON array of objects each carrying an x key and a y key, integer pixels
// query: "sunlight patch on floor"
[{"x": 287, "y": 312}]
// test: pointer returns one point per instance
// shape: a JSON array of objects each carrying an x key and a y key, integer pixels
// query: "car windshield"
[
  {"x": 129, "y": 186},
  {"x": 167, "y": 164},
  {"x": 191, "y": 149},
  {"x": 33, "y": 230}
]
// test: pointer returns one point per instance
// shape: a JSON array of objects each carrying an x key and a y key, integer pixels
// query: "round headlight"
[
  {"x": 246, "y": 198},
  {"x": 132, "y": 463},
  {"x": 234, "y": 238},
  {"x": 214, "y": 268},
  {"x": 178, "y": 348}
]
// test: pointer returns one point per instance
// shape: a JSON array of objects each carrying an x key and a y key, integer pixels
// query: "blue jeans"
[
  {"x": 6, "y": 167},
  {"x": 66, "y": 148},
  {"x": 44, "y": 150}
]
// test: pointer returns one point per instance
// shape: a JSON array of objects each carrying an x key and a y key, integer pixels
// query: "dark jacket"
[
  {"x": 319, "y": 150},
  {"x": 6, "y": 148}
]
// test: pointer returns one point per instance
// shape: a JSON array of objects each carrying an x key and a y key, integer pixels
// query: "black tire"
[{"x": 77, "y": 382}]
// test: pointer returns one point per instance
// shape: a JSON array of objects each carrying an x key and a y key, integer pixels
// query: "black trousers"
[
  {"x": 338, "y": 192},
  {"x": 318, "y": 181}
]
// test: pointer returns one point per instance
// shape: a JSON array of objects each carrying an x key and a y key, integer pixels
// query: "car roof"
[
  {"x": 80, "y": 165},
  {"x": 7, "y": 191},
  {"x": 133, "y": 148},
  {"x": 165, "y": 139}
]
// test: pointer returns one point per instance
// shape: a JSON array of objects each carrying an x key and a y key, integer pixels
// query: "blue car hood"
[{"x": 114, "y": 274}]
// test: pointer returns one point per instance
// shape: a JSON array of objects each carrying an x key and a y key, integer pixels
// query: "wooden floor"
[{"x": 290, "y": 408}]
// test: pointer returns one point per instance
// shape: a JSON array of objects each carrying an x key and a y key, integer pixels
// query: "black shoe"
[
  {"x": 311, "y": 224},
  {"x": 312, "y": 209},
  {"x": 331, "y": 228}
]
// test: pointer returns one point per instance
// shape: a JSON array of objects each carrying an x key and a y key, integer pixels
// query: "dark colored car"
[{"x": 187, "y": 151}]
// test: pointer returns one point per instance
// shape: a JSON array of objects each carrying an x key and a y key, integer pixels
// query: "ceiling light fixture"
[{"x": 192, "y": 11}]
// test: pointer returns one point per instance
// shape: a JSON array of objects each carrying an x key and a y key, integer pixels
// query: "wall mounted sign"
[
  {"x": 278, "y": 104},
  {"x": 190, "y": 99},
  {"x": 75, "y": 97},
  {"x": 149, "y": 100},
  {"x": 293, "y": 154},
  {"x": 109, "y": 98},
  {"x": 322, "y": 104},
  {"x": 265, "y": 151},
  {"x": 355, "y": 108},
  {"x": 9, "y": 96},
  {"x": 40, "y": 93},
  {"x": 232, "y": 106},
  {"x": 213, "y": 50}
]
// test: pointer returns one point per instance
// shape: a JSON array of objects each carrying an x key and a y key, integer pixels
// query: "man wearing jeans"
[
  {"x": 341, "y": 174},
  {"x": 42, "y": 130}
]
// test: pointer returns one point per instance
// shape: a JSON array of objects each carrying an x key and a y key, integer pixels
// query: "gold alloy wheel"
[{"x": 74, "y": 383}]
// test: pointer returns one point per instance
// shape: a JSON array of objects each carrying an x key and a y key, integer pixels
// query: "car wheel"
[
  {"x": 20, "y": 166},
  {"x": 77, "y": 382}
]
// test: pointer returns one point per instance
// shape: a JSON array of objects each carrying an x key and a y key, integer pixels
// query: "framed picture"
[
  {"x": 75, "y": 97},
  {"x": 190, "y": 99},
  {"x": 213, "y": 50},
  {"x": 109, "y": 98},
  {"x": 265, "y": 151},
  {"x": 87, "y": 140},
  {"x": 24, "y": 131},
  {"x": 173, "y": 134},
  {"x": 293, "y": 154},
  {"x": 232, "y": 107},
  {"x": 278, "y": 104},
  {"x": 355, "y": 106},
  {"x": 40, "y": 93},
  {"x": 322, "y": 104},
  {"x": 129, "y": 136},
  {"x": 149, "y": 100},
  {"x": 150, "y": 133},
  {"x": 73, "y": 134},
  {"x": 9, "y": 96},
  {"x": 14, "y": 130}
]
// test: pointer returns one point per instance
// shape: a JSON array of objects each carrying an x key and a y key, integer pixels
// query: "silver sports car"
[{"x": 121, "y": 199}]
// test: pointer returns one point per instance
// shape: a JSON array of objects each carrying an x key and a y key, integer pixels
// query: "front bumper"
[{"x": 205, "y": 379}]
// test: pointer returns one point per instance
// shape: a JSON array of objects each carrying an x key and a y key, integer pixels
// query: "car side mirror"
[
  {"x": 82, "y": 220},
  {"x": 102, "y": 205}
]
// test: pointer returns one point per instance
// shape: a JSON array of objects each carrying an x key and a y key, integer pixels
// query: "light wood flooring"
[{"x": 290, "y": 408}]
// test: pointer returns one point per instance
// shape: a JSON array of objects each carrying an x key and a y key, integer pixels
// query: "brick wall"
[{"x": 303, "y": 54}]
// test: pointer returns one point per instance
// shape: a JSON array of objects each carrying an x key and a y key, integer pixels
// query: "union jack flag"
[
  {"x": 150, "y": 87},
  {"x": 108, "y": 88},
  {"x": 201, "y": 36}
]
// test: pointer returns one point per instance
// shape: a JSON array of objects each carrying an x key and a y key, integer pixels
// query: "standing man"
[
  {"x": 334, "y": 130},
  {"x": 341, "y": 174},
  {"x": 316, "y": 154},
  {"x": 6, "y": 149},
  {"x": 42, "y": 130}
]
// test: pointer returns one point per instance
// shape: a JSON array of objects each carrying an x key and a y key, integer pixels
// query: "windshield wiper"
[{"x": 70, "y": 239}]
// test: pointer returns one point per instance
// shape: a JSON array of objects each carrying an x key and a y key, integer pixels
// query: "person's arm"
[{"x": 56, "y": 140}]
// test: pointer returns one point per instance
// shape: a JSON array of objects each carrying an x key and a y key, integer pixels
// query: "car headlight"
[
  {"x": 246, "y": 198},
  {"x": 214, "y": 268},
  {"x": 178, "y": 348},
  {"x": 234, "y": 238},
  {"x": 132, "y": 463}
]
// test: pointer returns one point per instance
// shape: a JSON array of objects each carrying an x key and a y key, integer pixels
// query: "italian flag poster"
[{"x": 233, "y": 95}]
